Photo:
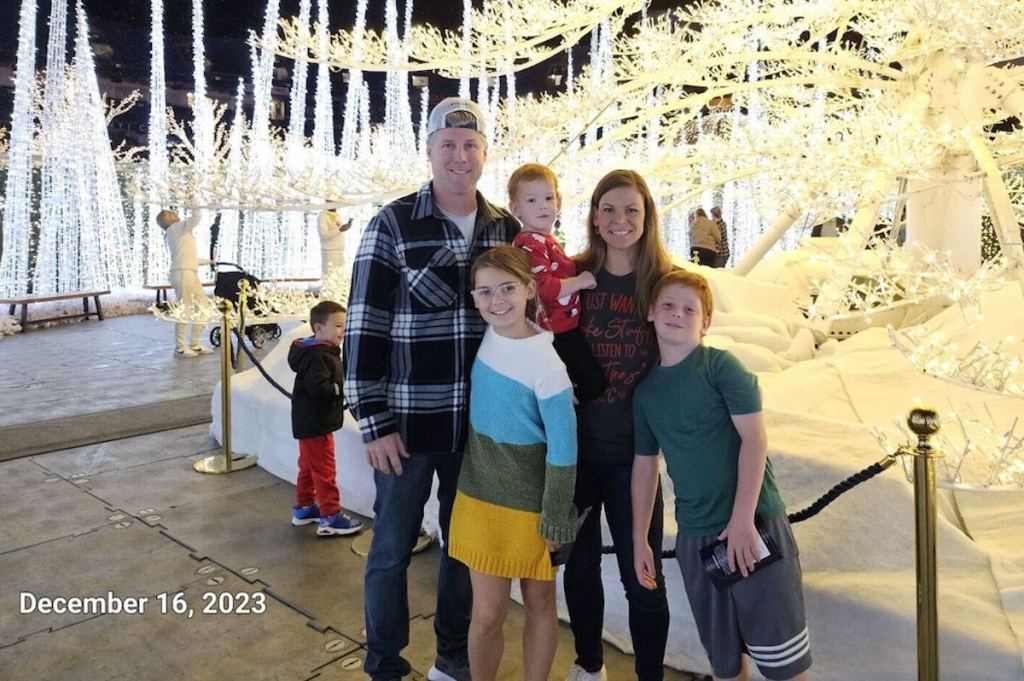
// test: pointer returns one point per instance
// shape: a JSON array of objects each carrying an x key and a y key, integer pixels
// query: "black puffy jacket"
[{"x": 318, "y": 407}]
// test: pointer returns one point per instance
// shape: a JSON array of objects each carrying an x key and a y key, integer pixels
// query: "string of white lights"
[{"x": 14, "y": 263}]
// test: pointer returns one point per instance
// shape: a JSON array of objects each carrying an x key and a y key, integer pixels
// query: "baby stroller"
[{"x": 225, "y": 285}]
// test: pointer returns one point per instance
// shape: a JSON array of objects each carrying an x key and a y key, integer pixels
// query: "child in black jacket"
[{"x": 318, "y": 409}]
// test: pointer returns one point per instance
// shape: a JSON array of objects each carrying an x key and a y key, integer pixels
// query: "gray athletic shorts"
[{"x": 761, "y": 615}]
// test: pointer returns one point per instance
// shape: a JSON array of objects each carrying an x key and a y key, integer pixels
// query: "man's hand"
[
  {"x": 742, "y": 545},
  {"x": 552, "y": 546},
  {"x": 385, "y": 454},
  {"x": 643, "y": 564}
]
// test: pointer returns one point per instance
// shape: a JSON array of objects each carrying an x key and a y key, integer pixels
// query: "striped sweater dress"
[{"x": 519, "y": 470}]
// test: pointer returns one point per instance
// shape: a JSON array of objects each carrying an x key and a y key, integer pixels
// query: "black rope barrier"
[
  {"x": 822, "y": 501},
  {"x": 844, "y": 486},
  {"x": 256, "y": 363}
]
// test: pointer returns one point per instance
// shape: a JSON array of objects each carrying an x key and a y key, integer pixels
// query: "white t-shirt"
[{"x": 465, "y": 223}]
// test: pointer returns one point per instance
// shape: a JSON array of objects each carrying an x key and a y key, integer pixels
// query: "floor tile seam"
[
  {"x": 87, "y": 491},
  {"x": 264, "y": 587},
  {"x": 108, "y": 506},
  {"x": 267, "y": 588},
  {"x": 314, "y": 623},
  {"x": 257, "y": 581},
  {"x": 48, "y": 630},
  {"x": 73, "y": 535}
]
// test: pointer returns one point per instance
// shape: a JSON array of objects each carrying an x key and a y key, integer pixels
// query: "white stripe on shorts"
[{"x": 782, "y": 654}]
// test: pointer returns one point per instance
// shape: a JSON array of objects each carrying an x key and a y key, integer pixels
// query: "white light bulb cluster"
[
  {"x": 17, "y": 217},
  {"x": 994, "y": 368},
  {"x": 885, "y": 276},
  {"x": 976, "y": 452}
]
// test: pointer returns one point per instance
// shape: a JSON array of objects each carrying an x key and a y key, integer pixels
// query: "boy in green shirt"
[{"x": 702, "y": 409}]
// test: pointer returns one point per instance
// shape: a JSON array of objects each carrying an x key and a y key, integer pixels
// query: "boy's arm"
[
  {"x": 741, "y": 532},
  {"x": 548, "y": 285},
  {"x": 643, "y": 488},
  {"x": 576, "y": 284},
  {"x": 319, "y": 381}
]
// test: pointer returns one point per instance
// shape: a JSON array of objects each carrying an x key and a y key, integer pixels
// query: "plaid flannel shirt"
[
  {"x": 412, "y": 331},
  {"x": 723, "y": 252}
]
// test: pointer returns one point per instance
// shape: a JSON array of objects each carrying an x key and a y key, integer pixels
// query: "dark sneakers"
[
  {"x": 339, "y": 524},
  {"x": 304, "y": 515}
]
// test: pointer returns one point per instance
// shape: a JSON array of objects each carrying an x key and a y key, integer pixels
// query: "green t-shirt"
[{"x": 684, "y": 410}]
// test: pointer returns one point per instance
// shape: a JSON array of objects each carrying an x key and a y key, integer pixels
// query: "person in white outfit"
[
  {"x": 332, "y": 240},
  {"x": 184, "y": 274}
]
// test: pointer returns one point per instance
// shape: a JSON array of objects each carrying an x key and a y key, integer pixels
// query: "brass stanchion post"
[
  {"x": 227, "y": 462},
  {"x": 924, "y": 422},
  {"x": 243, "y": 303}
]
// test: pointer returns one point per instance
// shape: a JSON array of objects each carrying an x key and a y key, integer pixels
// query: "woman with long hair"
[{"x": 626, "y": 253}]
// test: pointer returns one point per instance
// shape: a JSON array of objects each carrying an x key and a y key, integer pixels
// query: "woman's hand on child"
[
  {"x": 587, "y": 280},
  {"x": 552, "y": 546},
  {"x": 643, "y": 564},
  {"x": 385, "y": 454},
  {"x": 743, "y": 546}
]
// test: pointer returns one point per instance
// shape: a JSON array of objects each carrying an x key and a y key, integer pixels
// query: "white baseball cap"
[{"x": 438, "y": 119}]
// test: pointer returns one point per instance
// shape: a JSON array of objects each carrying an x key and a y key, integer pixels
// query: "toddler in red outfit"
[{"x": 535, "y": 201}]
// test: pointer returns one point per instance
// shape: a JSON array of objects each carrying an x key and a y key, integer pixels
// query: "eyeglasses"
[{"x": 506, "y": 290}]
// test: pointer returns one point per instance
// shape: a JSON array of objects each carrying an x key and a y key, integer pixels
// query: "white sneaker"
[
  {"x": 201, "y": 350},
  {"x": 185, "y": 352},
  {"x": 436, "y": 674},
  {"x": 578, "y": 673}
]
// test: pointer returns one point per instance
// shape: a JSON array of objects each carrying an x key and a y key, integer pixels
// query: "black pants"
[
  {"x": 609, "y": 485},
  {"x": 705, "y": 256},
  {"x": 587, "y": 376}
]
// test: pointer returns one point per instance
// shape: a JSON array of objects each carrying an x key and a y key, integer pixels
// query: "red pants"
[{"x": 316, "y": 481}]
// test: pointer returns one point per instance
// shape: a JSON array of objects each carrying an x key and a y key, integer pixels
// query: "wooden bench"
[
  {"x": 161, "y": 290},
  {"x": 25, "y": 301}
]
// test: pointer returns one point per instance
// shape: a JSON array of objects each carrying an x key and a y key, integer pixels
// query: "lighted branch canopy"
[
  {"x": 782, "y": 112},
  {"x": 785, "y": 108},
  {"x": 505, "y": 36}
]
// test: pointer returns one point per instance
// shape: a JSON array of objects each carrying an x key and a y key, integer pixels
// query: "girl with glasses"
[{"x": 514, "y": 501}]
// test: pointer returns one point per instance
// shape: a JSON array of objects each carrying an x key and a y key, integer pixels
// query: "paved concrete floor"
[
  {"x": 95, "y": 366},
  {"x": 131, "y": 518}
]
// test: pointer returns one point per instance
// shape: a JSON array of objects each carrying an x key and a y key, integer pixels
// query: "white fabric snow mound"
[
  {"x": 754, "y": 357},
  {"x": 735, "y": 294},
  {"x": 857, "y": 555},
  {"x": 758, "y": 321}
]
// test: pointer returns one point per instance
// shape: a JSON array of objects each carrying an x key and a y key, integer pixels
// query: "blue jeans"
[
  {"x": 399, "y": 515},
  {"x": 608, "y": 484}
]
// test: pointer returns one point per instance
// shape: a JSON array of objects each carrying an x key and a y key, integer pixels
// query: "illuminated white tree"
[
  {"x": 17, "y": 216},
  {"x": 81, "y": 238}
]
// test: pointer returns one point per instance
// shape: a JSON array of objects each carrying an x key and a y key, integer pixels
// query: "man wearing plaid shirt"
[{"x": 411, "y": 336}]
